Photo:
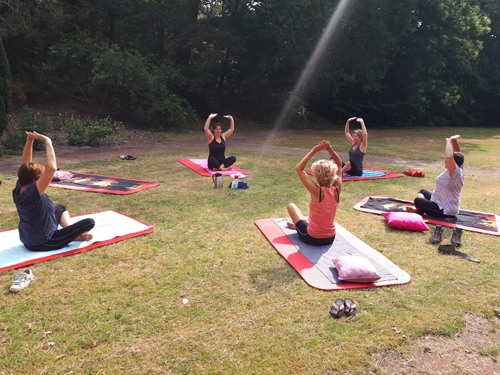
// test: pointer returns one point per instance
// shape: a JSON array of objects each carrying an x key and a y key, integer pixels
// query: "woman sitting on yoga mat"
[
  {"x": 320, "y": 228},
  {"x": 38, "y": 216},
  {"x": 217, "y": 160},
  {"x": 445, "y": 199},
  {"x": 359, "y": 142}
]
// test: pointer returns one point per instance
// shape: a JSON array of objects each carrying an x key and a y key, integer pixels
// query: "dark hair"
[
  {"x": 459, "y": 158},
  {"x": 214, "y": 126},
  {"x": 29, "y": 172}
]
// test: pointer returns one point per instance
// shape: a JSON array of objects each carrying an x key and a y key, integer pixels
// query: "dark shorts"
[{"x": 301, "y": 227}]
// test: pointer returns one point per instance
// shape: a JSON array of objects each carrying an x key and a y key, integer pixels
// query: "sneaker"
[
  {"x": 437, "y": 234},
  {"x": 456, "y": 237},
  {"x": 21, "y": 280}
]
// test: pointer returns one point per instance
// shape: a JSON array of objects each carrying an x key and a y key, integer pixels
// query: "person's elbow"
[{"x": 50, "y": 169}]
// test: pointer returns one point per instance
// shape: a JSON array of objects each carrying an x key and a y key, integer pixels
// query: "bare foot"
[
  {"x": 290, "y": 225},
  {"x": 84, "y": 237},
  {"x": 411, "y": 209},
  {"x": 224, "y": 168},
  {"x": 344, "y": 174}
]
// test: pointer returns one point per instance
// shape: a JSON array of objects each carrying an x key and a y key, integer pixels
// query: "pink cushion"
[
  {"x": 405, "y": 220},
  {"x": 355, "y": 269},
  {"x": 62, "y": 175}
]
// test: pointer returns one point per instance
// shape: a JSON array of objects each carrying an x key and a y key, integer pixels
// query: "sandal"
[
  {"x": 350, "y": 307},
  {"x": 337, "y": 309}
]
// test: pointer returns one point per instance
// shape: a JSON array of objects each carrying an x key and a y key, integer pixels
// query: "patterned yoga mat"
[
  {"x": 370, "y": 174},
  {"x": 103, "y": 184},
  {"x": 479, "y": 222}
]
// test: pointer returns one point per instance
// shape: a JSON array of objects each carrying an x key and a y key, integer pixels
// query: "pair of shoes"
[
  {"x": 437, "y": 234},
  {"x": 343, "y": 307},
  {"x": 21, "y": 280},
  {"x": 127, "y": 157},
  {"x": 456, "y": 237}
]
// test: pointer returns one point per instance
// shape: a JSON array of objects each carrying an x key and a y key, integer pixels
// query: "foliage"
[
  {"x": 398, "y": 63},
  {"x": 87, "y": 132},
  {"x": 29, "y": 122},
  {"x": 5, "y": 88}
]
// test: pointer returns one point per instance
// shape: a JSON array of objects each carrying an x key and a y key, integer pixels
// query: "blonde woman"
[
  {"x": 359, "y": 143},
  {"x": 319, "y": 229}
]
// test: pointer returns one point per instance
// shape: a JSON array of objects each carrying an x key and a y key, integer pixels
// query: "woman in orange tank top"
[{"x": 319, "y": 229}]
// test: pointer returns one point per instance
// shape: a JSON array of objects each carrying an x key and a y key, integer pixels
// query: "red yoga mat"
[
  {"x": 312, "y": 274},
  {"x": 207, "y": 173}
]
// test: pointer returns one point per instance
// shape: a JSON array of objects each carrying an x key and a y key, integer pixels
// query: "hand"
[
  {"x": 360, "y": 120},
  {"x": 229, "y": 117},
  {"x": 30, "y": 135},
  {"x": 41, "y": 137},
  {"x": 455, "y": 137},
  {"x": 351, "y": 119},
  {"x": 212, "y": 115},
  {"x": 324, "y": 144}
]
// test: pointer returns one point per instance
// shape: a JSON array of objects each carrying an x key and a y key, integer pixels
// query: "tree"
[{"x": 5, "y": 89}]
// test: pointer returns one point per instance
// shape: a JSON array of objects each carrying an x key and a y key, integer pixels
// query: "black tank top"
[
  {"x": 356, "y": 158},
  {"x": 217, "y": 150}
]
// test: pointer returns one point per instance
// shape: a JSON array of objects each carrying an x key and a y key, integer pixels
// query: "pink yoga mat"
[{"x": 200, "y": 167}]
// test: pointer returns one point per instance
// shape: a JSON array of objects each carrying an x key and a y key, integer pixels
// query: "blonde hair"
[
  {"x": 359, "y": 132},
  {"x": 325, "y": 172}
]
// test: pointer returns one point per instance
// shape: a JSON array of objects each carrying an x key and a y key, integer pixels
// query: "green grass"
[
  {"x": 118, "y": 308},
  {"x": 480, "y": 145}
]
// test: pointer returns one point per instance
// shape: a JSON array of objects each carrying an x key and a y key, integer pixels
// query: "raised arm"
[
  {"x": 208, "y": 133},
  {"x": 299, "y": 168},
  {"x": 337, "y": 160},
  {"x": 364, "y": 143},
  {"x": 449, "y": 162},
  {"x": 228, "y": 133},
  {"x": 50, "y": 164},
  {"x": 28, "y": 148},
  {"x": 346, "y": 131},
  {"x": 454, "y": 143}
]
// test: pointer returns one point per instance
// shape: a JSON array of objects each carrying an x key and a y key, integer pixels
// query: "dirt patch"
[{"x": 474, "y": 350}]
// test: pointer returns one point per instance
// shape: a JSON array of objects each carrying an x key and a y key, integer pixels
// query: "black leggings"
[
  {"x": 427, "y": 206},
  {"x": 301, "y": 228},
  {"x": 64, "y": 236},
  {"x": 214, "y": 163}
]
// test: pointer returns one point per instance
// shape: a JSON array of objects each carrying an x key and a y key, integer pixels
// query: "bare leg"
[
  {"x": 346, "y": 168},
  {"x": 295, "y": 214},
  {"x": 65, "y": 222}
]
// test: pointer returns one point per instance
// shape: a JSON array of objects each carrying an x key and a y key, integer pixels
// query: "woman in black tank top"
[
  {"x": 359, "y": 143},
  {"x": 217, "y": 160}
]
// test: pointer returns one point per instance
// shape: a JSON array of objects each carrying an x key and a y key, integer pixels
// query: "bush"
[
  {"x": 16, "y": 138},
  {"x": 87, "y": 132}
]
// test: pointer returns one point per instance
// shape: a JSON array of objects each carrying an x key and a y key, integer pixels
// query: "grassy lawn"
[
  {"x": 119, "y": 309},
  {"x": 479, "y": 145}
]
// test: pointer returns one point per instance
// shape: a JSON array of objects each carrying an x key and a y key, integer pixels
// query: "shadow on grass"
[{"x": 265, "y": 279}]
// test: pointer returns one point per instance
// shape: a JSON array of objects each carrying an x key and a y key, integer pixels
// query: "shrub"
[
  {"x": 87, "y": 132},
  {"x": 16, "y": 138}
]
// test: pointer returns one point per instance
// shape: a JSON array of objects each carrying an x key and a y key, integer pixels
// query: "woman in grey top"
[
  {"x": 359, "y": 143},
  {"x": 444, "y": 201}
]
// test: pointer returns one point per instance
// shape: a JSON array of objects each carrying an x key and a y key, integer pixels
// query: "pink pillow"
[
  {"x": 62, "y": 175},
  {"x": 405, "y": 220},
  {"x": 355, "y": 269}
]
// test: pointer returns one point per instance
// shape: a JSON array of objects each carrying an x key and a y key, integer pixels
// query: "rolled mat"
[
  {"x": 472, "y": 221},
  {"x": 200, "y": 167},
  {"x": 110, "y": 227},
  {"x": 315, "y": 263}
]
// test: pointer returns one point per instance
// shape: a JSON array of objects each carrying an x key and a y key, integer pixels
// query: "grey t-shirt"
[{"x": 448, "y": 189}]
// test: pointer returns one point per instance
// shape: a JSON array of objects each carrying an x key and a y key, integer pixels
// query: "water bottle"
[{"x": 235, "y": 182}]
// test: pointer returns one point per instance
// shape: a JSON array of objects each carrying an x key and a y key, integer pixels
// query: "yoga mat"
[
  {"x": 479, "y": 222},
  {"x": 315, "y": 263},
  {"x": 200, "y": 167},
  {"x": 109, "y": 227},
  {"x": 369, "y": 174},
  {"x": 103, "y": 184}
]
